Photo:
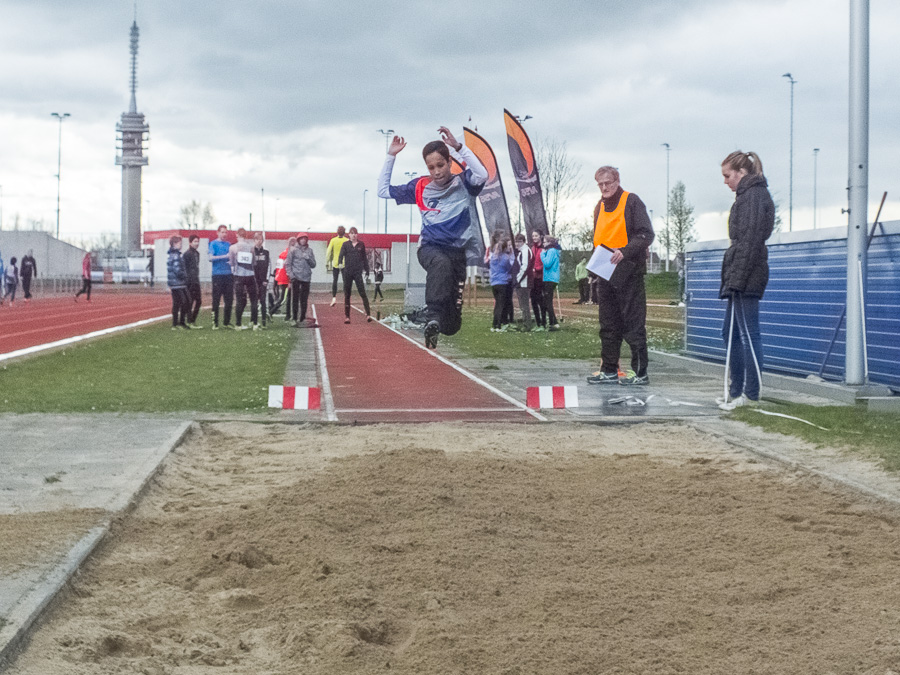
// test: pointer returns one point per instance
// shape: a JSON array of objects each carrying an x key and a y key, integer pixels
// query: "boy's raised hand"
[
  {"x": 448, "y": 138},
  {"x": 396, "y": 146}
]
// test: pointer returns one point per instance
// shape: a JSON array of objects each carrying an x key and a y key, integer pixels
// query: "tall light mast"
[{"x": 131, "y": 135}]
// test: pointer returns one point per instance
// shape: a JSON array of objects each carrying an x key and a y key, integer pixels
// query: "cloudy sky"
[{"x": 287, "y": 96}]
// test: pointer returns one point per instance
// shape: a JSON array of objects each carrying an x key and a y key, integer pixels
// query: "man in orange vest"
[{"x": 621, "y": 223}]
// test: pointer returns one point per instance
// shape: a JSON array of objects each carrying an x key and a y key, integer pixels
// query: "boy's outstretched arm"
[{"x": 384, "y": 179}]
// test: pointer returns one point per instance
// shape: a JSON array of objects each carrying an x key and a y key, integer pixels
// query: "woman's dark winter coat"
[{"x": 745, "y": 267}]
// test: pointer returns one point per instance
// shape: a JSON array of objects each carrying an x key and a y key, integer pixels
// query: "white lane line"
[
  {"x": 79, "y": 338},
  {"x": 330, "y": 414},
  {"x": 459, "y": 369}
]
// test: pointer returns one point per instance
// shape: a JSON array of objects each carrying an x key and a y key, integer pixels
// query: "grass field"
[{"x": 153, "y": 369}]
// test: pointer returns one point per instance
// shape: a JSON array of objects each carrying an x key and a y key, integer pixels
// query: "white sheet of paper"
[{"x": 600, "y": 263}]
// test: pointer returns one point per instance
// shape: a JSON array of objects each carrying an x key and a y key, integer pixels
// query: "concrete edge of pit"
[
  {"x": 790, "y": 462},
  {"x": 32, "y": 607}
]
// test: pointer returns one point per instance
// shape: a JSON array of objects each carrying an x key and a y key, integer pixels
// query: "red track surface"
[
  {"x": 377, "y": 376},
  {"x": 49, "y": 319}
]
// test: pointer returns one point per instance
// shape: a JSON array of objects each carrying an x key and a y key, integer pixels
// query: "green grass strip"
[
  {"x": 852, "y": 427},
  {"x": 154, "y": 369}
]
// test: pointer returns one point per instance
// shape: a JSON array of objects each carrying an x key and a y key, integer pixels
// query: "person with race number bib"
[
  {"x": 28, "y": 271},
  {"x": 451, "y": 231},
  {"x": 621, "y": 223},
  {"x": 244, "y": 280}
]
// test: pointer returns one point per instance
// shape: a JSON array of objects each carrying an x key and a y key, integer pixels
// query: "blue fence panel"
[{"x": 803, "y": 303}]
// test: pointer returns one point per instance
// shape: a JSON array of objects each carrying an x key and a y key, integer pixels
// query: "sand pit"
[{"x": 481, "y": 549}]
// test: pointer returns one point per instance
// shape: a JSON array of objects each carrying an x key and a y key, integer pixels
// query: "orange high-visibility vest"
[{"x": 609, "y": 229}]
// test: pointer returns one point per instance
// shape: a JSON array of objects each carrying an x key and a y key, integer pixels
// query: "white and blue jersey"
[{"x": 449, "y": 216}]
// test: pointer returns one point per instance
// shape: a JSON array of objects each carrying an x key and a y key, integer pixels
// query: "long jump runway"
[
  {"x": 46, "y": 320},
  {"x": 380, "y": 375}
]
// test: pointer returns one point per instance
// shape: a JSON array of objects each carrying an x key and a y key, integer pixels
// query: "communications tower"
[{"x": 132, "y": 134}]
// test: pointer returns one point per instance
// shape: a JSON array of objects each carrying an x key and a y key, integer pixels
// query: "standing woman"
[
  {"x": 501, "y": 261},
  {"x": 332, "y": 255},
  {"x": 354, "y": 262},
  {"x": 745, "y": 273},
  {"x": 85, "y": 277}
]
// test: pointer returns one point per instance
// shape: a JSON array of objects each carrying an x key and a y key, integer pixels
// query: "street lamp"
[
  {"x": 668, "y": 151},
  {"x": 410, "y": 175},
  {"x": 277, "y": 199},
  {"x": 815, "y": 176},
  {"x": 59, "y": 165},
  {"x": 1, "y": 207},
  {"x": 387, "y": 133},
  {"x": 791, "y": 173},
  {"x": 365, "y": 192}
]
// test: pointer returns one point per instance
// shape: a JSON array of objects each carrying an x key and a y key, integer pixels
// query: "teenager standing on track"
[
  {"x": 222, "y": 279},
  {"x": 451, "y": 232},
  {"x": 745, "y": 274},
  {"x": 28, "y": 271},
  {"x": 176, "y": 275},
  {"x": 85, "y": 277},
  {"x": 500, "y": 260},
  {"x": 299, "y": 265},
  {"x": 282, "y": 282},
  {"x": 550, "y": 264},
  {"x": 537, "y": 281},
  {"x": 332, "y": 254},
  {"x": 191, "y": 259},
  {"x": 12, "y": 282},
  {"x": 621, "y": 223},
  {"x": 244, "y": 280},
  {"x": 262, "y": 264},
  {"x": 354, "y": 261},
  {"x": 379, "y": 279},
  {"x": 521, "y": 283}
]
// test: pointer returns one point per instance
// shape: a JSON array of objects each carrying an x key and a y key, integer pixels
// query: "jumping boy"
[{"x": 451, "y": 236}]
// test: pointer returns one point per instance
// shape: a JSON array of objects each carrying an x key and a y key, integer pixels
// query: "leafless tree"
[
  {"x": 195, "y": 213},
  {"x": 560, "y": 178}
]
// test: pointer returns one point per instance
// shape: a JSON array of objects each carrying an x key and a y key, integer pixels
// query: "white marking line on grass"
[
  {"x": 506, "y": 397},
  {"x": 330, "y": 414},
  {"x": 78, "y": 338}
]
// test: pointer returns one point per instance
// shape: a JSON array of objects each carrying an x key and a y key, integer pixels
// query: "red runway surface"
[
  {"x": 378, "y": 376},
  {"x": 46, "y": 320}
]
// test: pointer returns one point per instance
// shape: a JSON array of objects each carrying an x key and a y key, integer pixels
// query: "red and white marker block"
[
  {"x": 552, "y": 397},
  {"x": 294, "y": 398}
]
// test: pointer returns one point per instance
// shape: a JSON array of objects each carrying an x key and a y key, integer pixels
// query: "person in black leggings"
[{"x": 354, "y": 261}]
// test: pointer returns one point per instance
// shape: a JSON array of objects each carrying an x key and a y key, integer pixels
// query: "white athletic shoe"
[
  {"x": 333, "y": 300},
  {"x": 740, "y": 402}
]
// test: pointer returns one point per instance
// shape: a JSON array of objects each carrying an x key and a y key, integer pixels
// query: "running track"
[
  {"x": 377, "y": 375},
  {"x": 49, "y": 319}
]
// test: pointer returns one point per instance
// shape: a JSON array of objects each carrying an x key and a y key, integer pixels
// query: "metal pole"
[
  {"x": 365, "y": 192},
  {"x": 410, "y": 175},
  {"x": 815, "y": 181},
  {"x": 59, "y": 165},
  {"x": 1, "y": 207},
  {"x": 262, "y": 192},
  {"x": 858, "y": 191},
  {"x": 668, "y": 234},
  {"x": 791, "y": 170},
  {"x": 387, "y": 135}
]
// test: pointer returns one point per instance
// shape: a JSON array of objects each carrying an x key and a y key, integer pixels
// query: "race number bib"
[
  {"x": 245, "y": 258},
  {"x": 279, "y": 264}
]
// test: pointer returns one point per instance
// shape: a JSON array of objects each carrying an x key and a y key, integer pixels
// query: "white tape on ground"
[
  {"x": 79, "y": 338},
  {"x": 330, "y": 414}
]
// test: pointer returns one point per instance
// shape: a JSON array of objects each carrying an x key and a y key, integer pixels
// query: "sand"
[{"x": 481, "y": 549}]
